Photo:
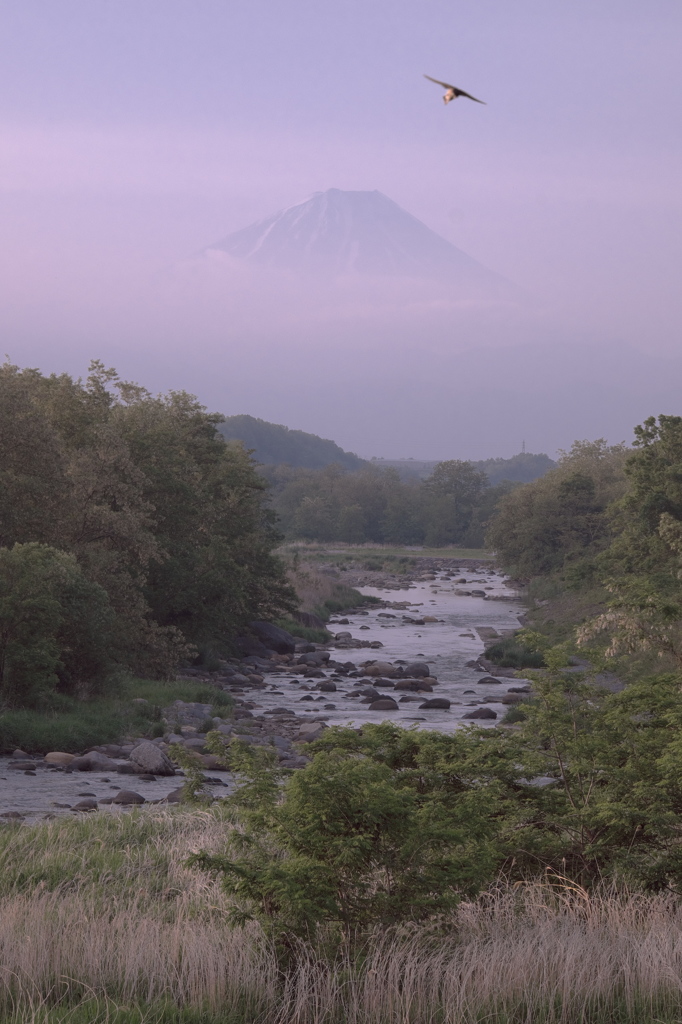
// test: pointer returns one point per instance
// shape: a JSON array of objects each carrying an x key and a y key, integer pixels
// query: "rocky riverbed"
[{"x": 415, "y": 659}]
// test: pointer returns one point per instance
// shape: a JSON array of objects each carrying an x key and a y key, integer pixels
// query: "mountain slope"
[
  {"x": 356, "y": 233},
  {"x": 274, "y": 444}
]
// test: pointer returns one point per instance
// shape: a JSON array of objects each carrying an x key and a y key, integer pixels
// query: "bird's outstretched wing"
[
  {"x": 461, "y": 92},
  {"x": 444, "y": 84},
  {"x": 457, "y": 92}
]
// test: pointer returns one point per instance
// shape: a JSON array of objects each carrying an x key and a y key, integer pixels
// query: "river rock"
[
  {"x": 383, "y": 704},
  {"x": 214, "y": 763},
  {"x": 146, "y": 757},
  {"x": 93, "y": 761},
  {"x": 316, "y": 658},
  {"x": 274, "y": 638},
  {"x": 436, "y": 703},
  {"x": 25, "y": 766},
  {"x": 481, "y": 713},
  {"x": 418, "y": 669},
  {"x": 489, "y": 680},
  {"x": 58, "y": 758},
  {"x": 310, "y": 731},
  {"x": 327, "y": 687},
  {"x": 89, "y": 804},
  {"x": 127, "y": 797},
  {"x": 174, "y": 797},
  {"x": 197, "y": 744},
  {"x": 19, "y": 755},
  {"x": 381, "y": 668}
]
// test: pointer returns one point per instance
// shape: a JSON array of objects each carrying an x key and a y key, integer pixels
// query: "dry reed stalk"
[
  {"x": 546, "y": 952},
  {"x": 312, "y": 587}
]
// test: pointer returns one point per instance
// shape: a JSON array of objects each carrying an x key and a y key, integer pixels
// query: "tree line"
[{"x": 451, "y": 506}]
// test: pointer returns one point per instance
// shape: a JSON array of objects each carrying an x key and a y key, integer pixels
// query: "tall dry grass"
[
  {"x": 314, "y": 587},
  {"x": 115, "y": 936}
]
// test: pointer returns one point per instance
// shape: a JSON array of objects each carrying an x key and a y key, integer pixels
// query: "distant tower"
[{"x": 523, "y": 447}]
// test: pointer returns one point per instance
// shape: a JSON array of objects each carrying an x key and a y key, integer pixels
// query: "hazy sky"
[{"x": 135, "y": 132}]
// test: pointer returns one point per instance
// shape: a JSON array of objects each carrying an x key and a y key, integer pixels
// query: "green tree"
[
  {"x": 451, "y": 494},
  {"x": 56, "y": 627},
  {"x": 643, "y": 565},
  {"x": 347, "y": 843},
  {"x": 542, "y": 527},
  {"x": 163, "y": 515}
]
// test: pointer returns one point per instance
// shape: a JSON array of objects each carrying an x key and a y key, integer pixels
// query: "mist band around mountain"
[{"x": 363, "y": 234}]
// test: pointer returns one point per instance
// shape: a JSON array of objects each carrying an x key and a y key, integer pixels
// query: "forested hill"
[
  {"x": 274, "y": 444},
  {"x": 520, "y": 469}
]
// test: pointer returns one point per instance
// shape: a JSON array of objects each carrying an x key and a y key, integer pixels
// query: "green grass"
[
  {"x": 339, "y": 553},
  {"x": 104, "y": 857},
  {"x": 309, "y": 633},
  {"x": 100, "y": 1011},
  {"x": 73, "y": 726}
]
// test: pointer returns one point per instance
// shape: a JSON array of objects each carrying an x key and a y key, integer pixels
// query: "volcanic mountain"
[{"x": 365, "y": 234}]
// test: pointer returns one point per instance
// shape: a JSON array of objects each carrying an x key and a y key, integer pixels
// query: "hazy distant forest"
[{"x": 322, "y": 493}]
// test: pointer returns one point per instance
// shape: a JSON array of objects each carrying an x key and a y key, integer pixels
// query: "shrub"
[{"x": 512, "y": 652}]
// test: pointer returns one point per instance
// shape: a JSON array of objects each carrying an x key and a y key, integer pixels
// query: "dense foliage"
[
  {"x": 452, "y": 506},
  {"x": 563, "y": 518},
  {"x": 388, "y": 825},
  {"x": 128, "y": 527}
]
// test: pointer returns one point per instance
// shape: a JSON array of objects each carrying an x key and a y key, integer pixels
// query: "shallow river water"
[{"x": 465, "y": 627}]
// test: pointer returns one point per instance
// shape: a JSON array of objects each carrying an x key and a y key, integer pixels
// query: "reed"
[{"x": 101, "y": 920}]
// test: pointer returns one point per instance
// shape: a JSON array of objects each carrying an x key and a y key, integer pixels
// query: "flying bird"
[{"x": 453, "y": 92}]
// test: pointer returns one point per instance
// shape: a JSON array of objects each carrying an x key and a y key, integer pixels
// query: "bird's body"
[{"x": 452, "y": 92}]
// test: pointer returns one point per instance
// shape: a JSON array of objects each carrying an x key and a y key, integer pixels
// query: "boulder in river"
[
  {"x": 274, "y": 638},
  {"x": 383, "y": 704},
  {"x": 128, "y": 797},
  {"x": 146, "y": 757},
  {"x": 418, "y": 670},
  {"x": 481, "y": 713},
  {"x": 93, "y": 761},
  {"x": 89, "y": 804},
  {"x": 59, "y": 757},
  {"x": 381, "y": 668},
  {"x": 436, "y": 703}
]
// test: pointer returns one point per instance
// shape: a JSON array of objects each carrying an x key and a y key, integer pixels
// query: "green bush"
[
  {"x": 511, "y": 652},
  {"x": 346, "y": 843},
  {"x": 310, "y": 633}
]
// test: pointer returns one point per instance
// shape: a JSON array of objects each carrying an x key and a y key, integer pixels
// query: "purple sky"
[{"x": 136, "y": 132}]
